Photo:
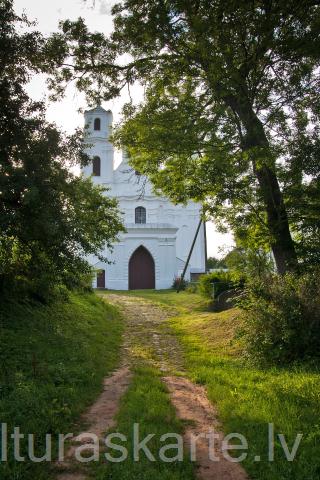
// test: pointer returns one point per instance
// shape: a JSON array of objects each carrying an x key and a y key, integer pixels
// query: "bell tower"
[{"x": 98, "y": 127}]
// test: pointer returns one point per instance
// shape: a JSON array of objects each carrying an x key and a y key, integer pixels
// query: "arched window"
[
  {"x": 97, "y": 124},
  {"x": 96, "y": 166},
  {"x": 140, "y": 215}
]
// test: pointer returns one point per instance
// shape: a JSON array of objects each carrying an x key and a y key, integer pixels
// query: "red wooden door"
[
  {"x": 101, "y": 279},
  {"x": 141, "y": 270}
]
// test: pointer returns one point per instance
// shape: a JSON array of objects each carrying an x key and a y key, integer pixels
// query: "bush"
[
  {"x": 212, "y": 284},
  {"x": 282, "y": 318},
  {"x": 192, "y": 287},
  {"x": 178, "y": 283}
]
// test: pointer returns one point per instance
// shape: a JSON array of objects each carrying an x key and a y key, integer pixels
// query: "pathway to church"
[{"x": 148, "y": 338}]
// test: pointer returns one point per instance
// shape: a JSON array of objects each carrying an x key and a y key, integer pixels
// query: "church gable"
[{"x": 158, "y": 237}]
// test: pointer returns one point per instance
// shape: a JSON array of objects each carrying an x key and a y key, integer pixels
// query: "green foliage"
[
  {"x": 249, "y": 262},
  {"x": 50, "y": 219},
  {"x": 178, "y": 282},
  {"x": 212, "y": 284},
  {"x": 192, "y": 287},
  {"x": 282, "y": 317},
  {"x": 213, "y": 262},
  {"x": 304, "y": 207},
  {"x": 52, "y": 361},
  {"x": 231, "y": 108}
]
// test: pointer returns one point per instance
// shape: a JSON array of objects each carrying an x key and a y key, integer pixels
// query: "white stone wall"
[{"x": 169, "y": 229}]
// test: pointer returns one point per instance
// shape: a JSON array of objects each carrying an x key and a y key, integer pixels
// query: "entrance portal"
[{"x": 141, "y": 270}]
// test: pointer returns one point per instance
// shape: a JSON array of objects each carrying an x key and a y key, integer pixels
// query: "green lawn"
[
  {"x": 182, "y": 301},
  {"x": 247, "y": 397},
  {"x": 53, "y": 359}
]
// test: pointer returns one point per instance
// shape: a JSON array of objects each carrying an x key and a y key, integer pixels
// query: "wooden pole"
[
  {"x": 205, "y": 246},
  {"x": 189, "y": 256}
]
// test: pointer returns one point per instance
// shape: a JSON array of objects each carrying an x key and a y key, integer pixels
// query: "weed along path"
[{"x": 151, "y": 393}]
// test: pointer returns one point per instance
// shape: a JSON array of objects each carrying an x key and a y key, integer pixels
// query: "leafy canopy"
[
  {"x": 50, "y": 219},
  {"x": 227, "y": 84}
]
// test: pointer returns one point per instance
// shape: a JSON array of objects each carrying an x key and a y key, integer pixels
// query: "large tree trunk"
[
  {"x": 257, "y": 145},
  {"x": 281, "y": 241}
]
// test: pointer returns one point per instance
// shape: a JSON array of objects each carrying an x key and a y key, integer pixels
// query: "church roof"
[{"x": 98, "y": 109}]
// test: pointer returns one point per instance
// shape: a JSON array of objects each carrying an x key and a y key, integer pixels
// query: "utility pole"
[{"x": 189, "y": 256}]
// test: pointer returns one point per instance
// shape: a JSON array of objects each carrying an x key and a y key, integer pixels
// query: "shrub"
[
  {"x": 212, "y": 284},
  {"x": 282, "y": 318},
  {"x": 192, "y": 287},
  {"x": 177, "y": 281}
]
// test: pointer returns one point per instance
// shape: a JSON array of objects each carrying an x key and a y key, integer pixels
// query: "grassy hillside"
[
  {"x": 52, "y": 361},
  {"x": 249, "y": 398}
]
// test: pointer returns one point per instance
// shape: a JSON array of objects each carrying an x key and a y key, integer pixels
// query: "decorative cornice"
[
  {"x": 143, "y": 226},
  {"x": 97, "y": 109}
]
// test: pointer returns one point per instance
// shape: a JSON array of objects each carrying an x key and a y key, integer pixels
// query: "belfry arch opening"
[
  {"x": 97, "y": 124},
  {"x": 141, "y": 270}
]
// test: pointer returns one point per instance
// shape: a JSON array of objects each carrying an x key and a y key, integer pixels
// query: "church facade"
[{"x": 154, "y": 249}]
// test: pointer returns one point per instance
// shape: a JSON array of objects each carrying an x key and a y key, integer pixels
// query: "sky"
[{"x": 66, "y": 113}]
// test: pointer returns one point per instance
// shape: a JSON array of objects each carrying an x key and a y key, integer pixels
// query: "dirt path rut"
[
  {"x": 149, "y": 336},
  {"x": 98, "y": 419}
]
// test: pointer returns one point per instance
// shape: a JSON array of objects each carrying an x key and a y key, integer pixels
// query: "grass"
[
  {"x": 248, "y": 398},
  {"x": 181, "y": 302},
  {"x": 52, "y": 359},
  {"x": 146, "y": 403}
]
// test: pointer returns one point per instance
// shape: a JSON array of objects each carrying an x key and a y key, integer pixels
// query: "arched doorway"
[{"x": 141, "y": 270}]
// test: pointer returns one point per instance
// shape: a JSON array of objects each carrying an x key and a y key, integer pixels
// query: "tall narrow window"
[
  {"x": 97, "y": 124},
  {"x": 101, "y": 279},
  {"x": 140, "y": 215},
  {"x": 96, "y": 166}
]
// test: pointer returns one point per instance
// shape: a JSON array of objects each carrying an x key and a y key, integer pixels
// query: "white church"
[{"x": 159, "y": 234}]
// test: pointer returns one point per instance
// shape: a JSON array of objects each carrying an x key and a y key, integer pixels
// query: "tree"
[
  {"x": 224, "y": 81},
  {"x": 50, "y": 219},
  {"x": 249, "y": 263},
  {"x": 214, "y": 262},
  {"x": 302, "y": 185}
]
